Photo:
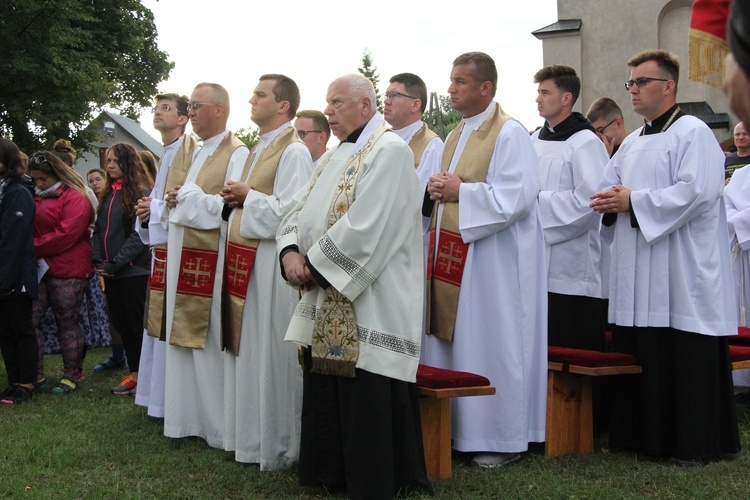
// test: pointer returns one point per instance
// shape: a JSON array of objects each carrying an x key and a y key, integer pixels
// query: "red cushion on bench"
[
  {"x": 440, "y": 378},
  {"x": 742, "y": 337},
  {"x": 583, "y": 357},
  {"x": 739, "y": 352}
]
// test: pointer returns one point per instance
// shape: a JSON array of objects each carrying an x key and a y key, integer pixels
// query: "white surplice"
[
  {"x": 263, "y": 385},
  {"x": 372, "y": 254},
  {"x": 501, "y": 322},
  {"x": 153, "y": 351},
  {"x": 674, "y": 270},
  {"x": 194, "y": 382},
  {"x": 569, "y": 171}
]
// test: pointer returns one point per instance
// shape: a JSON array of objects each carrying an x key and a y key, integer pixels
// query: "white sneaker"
[{"x": 492, "y": 460}]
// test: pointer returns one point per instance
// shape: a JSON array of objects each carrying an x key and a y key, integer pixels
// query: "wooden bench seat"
[
  {"x": 570, "y": 427},
  {"x": 436, "y": 387}
]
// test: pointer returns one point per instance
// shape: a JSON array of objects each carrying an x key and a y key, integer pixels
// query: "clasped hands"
[
  {"x": 612, "y": 200},
  {"x": 234, "y": 193},
  {"x": 444, "y": 187},
  {"x": 297, "y": 272}
]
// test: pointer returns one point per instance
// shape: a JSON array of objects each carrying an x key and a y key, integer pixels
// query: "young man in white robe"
[
  {"x": 353, "y": 245},
  {"x": 194, "y": 382},
  {"x": 263, "y": 382},
  {"x": 170, "y": 119},
  {"x": 671, "y": 295},
  {"x": 571, "y": 162},
  {"x": 491, "y": 318}
]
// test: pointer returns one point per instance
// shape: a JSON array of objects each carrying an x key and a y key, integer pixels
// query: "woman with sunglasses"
[
  {"x": 61, "y": 237},
  {"x": 120, "y": 255},
  {"x": 18, "y": 284}
]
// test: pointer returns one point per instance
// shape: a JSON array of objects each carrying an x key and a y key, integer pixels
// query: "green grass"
[{"x": 91, "y": 444}]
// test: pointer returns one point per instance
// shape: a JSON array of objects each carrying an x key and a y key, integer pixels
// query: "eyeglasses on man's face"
[
  {"x": 303, "y": 133},
  {"x": 396, "y": 95},
  {"x": 600, "y": 130},
  {"x": 164, "y": 108},
  {"x": 197, "y": 105},
  {"x": 642, "y": 81}
]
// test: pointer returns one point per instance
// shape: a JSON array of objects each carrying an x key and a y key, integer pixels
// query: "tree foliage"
[
  {"x": 449, "y": 117},
  {"x": 371, "y": 73},
  {"x": 63, "y": 61}
]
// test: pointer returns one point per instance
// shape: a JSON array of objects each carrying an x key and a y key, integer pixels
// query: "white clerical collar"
[
  {"x": 173, "y": 146},
  {"x": 209, "y": 145},
  {"x": 474, "y": 122},
  {"x": 369, "y": 129},
  {"x": 266, "y": 138},
  {"x": 406, "y": 133}
]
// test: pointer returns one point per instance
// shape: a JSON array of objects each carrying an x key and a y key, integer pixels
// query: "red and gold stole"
[
  {"x": 155, "y": 319},
  {"x": 199, "y": 258},
  {"x": 707, "y": 41},
  {"x": 240, "y": 255},
  {"x": 445, "y": 272},
  {"x": 419, "y": 142}
]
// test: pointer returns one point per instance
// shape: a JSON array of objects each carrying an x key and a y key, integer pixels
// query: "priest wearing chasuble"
[
  {"x": 352, "y": 245},
  {"x": 671, "y": 293},
  {"x": 194, "y": 383},
  {"x": 263, "y": 382},
  {"x": 487, "y": 279}
]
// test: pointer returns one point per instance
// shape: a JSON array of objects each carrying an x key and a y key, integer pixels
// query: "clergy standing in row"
[
  {"x": 488, "y": 304},
  {"x": 671, "y": 297},
  {"x": 353, "y": 245},
  {"x": 194, "y": 390},
  {"x": 263, "y": 383},
  {"x": 170, "y": 119}
]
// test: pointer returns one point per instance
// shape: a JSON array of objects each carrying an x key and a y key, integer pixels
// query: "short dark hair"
[
  {"x": 10, "y": 157},
  {"x": 565, "y": 78},
  {"x": 285, "y": 89},
  {"x": 603, "y": 108},
  {"x": 665, "y": 60},
  {"x": 484, "y": 67},
  {"x": 181, "y": 101},
  {"x": 414, "y": 86},
  {"x": 320, "y": 122}
]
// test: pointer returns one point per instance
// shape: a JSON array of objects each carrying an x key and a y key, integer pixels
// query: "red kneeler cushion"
[
  {"x": 439, "y": 378},
  {"x": 739, "y": 352},
  {"x": 742, "y": 337},
  {"x": 582, "y": 357}
]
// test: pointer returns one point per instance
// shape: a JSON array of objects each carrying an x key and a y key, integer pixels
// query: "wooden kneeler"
[
  {"x": 436, "y": 387},
  {"x": 570, "y": 427},
  {"x": 740, "y": 355}
]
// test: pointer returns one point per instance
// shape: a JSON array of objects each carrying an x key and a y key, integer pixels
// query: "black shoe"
[
  {"x": 17, "y": 395},
  {"x": 5, "y": 391}
]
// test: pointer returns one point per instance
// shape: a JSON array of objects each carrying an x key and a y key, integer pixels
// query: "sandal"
[
  {"x": 110, "y": 364},
  {"x": 18, "y": 395},
  {"x": 41, "y": 385},
  {"x": 66, "y": 385}
]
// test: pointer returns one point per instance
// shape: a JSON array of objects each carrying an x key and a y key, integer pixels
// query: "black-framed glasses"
[
  {"x": 396, "y": 95},
  {"x": 641, "y": 81},
  {"x": 600, "y": 130},
  {"x": 303, "y": 133},
  {"x": 37, "y": 159},
  {"x": 164, "y": 108},
  {"x": 197, "y": 105}
]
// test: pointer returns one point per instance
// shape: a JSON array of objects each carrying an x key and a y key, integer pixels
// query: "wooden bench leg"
[
  {"x": 436, "y": 435},
  {"x": 570, "y": 428}
]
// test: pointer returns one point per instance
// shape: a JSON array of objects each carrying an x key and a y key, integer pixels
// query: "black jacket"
[{"x": 17, "y": 255}]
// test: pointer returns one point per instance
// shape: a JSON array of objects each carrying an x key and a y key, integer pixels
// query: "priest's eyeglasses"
[
  {"x": 303, "y": 133},
  {"x": 641, "y": 81},
  {"x": 396, "y": 95},
  {"x": 164, "y": 108},
  {"x": 197, "y": 105},
  {"x": 600, "y": 130}
]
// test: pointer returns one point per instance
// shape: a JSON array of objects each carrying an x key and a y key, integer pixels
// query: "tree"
[
  {"x": 370, "y": 71},
  {"x": 449, "y": 116},
  {"x": 64, "y": 61}
]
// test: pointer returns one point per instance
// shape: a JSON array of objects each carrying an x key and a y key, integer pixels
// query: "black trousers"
[
  {"x": 18, "y": 339},
  {"x": 361, "y": 434},
  {"x": 126, "y": 298}
]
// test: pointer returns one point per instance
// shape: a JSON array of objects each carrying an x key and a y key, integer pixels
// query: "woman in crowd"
[
  {"x": 97, "y": 179},
  {"x": 120, "y": 256},
  {"x": 18, "y": 282},
  {"x": 62, "y": 240}
]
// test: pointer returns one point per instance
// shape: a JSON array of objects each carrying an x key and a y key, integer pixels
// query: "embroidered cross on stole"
[
  {"x": 199, "y": 258},
  {"x": 335, "y": 341},
  {"x": 155, "y": 317},
  {"x": 445, "y": 271},
  {"x": 240, "y": 256}
]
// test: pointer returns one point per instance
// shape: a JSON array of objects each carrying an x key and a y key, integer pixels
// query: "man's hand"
[
  {"x": 444, "y": 187},
  {"x": 737, "y": 88},
  {"x": 610, "y": 145},
  {"x": 143, "y": 209},
  {"x": 171, "y": 196},
  {"x": 234, "y": 193},
  {"x": 296, "y": 271},
  {"x": 612, "y": 200}
]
